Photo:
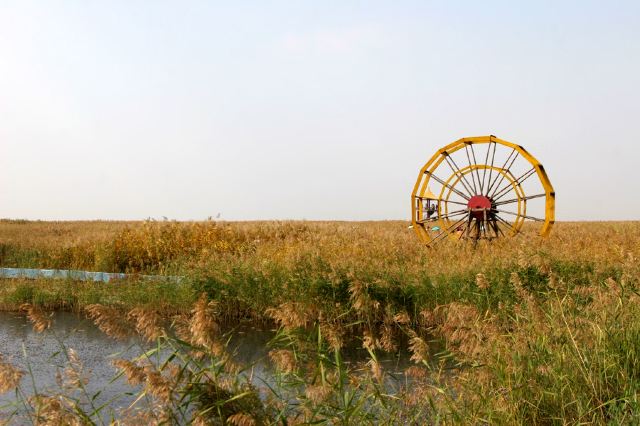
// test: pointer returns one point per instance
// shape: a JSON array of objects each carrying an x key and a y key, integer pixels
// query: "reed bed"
[{"x": 528, "y": 331}]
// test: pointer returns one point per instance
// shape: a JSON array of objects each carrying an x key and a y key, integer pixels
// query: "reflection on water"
[{"x": 42, "y": 355}]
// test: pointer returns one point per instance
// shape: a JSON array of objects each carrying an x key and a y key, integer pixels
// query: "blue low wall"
[{"x": 76, "y": 275}]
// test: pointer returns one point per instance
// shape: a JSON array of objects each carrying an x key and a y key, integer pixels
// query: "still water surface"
[{"x": 41, "y": 354}]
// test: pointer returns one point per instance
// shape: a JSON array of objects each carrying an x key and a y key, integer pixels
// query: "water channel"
[{"x": 41, "y": 356}]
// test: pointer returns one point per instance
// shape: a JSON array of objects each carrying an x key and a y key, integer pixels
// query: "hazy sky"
[{"x": 300, "y": 109}]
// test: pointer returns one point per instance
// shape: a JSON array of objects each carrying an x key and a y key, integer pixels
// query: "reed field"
[{"x": 522, "y": 330}]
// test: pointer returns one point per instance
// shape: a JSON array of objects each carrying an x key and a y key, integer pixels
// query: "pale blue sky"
[{"x": 316, "y": 110}]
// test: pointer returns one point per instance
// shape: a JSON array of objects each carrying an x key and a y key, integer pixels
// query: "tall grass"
[{"x": 535, "y": 331}]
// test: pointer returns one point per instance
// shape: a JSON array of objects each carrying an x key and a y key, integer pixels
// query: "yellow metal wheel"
[{"x": 481, "y": 188}]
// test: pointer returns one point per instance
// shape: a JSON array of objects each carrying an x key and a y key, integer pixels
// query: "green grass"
[{"x": 166, "y": 297}]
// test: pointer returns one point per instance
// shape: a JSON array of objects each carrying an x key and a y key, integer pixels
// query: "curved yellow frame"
[{"x": 424, "y": 177}]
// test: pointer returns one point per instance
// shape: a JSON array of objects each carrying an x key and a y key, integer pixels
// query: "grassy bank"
[
  {"x": 166, "y": 297},
  {"x": 253, "y": 266},
  {"x": 537, "y": 331}
]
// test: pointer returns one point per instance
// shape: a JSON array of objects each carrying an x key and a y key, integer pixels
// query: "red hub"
[{"x": 479, "y": 204}]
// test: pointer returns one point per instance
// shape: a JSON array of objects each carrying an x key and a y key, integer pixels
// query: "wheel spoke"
[
  {"x": 442, "y": 201},
  {"x": 435, "y": 219},
  {"x": 504, "y": 169},
  {"x": 447, "y": 231},
  {"x": 443, "y": 183},
  {"x": 455, "y": 202},
  {"x": 468, "y": 228},
  {"x": 514, "y": 200},
  {"x": 484, "y": 229},
  {"x": 484, "y": 171},
  {"x": 486, "y": 222},
  {"x": 517, "y": 182},
  {"x": 504, "y": 222},
  {"x": 499, "y": 225},
  {"x": 464, "y": 230},
  {"x": 537, "y": 219},
  {"x": 473, "y": 176},
  {"x": 475, "y": 164},
  {"x": 496, "y": 228},
  {"x": 493, "y": 157},
  {"x": 459, "y": 174}
]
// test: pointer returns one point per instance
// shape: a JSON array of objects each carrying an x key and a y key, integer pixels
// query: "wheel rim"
[{"x": 481, "y": 198}]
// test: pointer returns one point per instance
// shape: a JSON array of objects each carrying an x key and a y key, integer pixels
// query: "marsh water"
[{"x": 43, "y": 357}]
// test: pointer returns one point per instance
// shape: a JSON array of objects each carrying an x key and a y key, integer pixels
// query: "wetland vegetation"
[{"x": 522, "y": 330}]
